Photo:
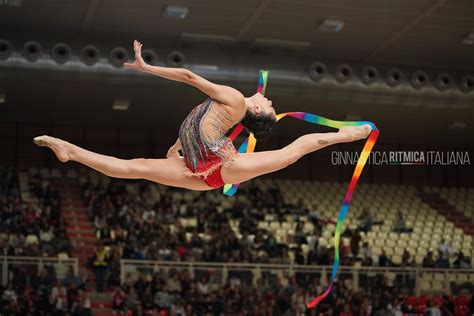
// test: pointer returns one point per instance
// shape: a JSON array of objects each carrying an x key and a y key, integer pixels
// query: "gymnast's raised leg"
[
  {"x": 172, "y": 171},
  {"x": 247, "y": 166}
]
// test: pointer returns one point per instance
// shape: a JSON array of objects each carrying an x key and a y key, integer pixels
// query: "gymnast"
[{"x": 209, "y": 159}]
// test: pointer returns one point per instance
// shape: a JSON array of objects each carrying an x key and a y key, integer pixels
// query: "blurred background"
[{"x": 405, "y": 65}]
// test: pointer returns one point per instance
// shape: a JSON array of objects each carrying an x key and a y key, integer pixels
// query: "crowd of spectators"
[
  {"x": 180, "y": 294},
  {"x": 33, "y": 227},
  {"x": 31, "y": 292},
  {"x": 140, "y": 226}
]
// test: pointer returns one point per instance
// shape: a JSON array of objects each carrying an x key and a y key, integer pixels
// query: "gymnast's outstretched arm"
[{"x": 224, "y": 94}]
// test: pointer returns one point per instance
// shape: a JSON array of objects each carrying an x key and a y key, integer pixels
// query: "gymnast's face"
[{"x": 258, "y": 104}]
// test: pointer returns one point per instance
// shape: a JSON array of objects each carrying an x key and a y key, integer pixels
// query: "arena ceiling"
[{"x": 416, "y": 33}]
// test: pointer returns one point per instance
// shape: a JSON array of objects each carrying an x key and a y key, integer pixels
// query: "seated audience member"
[
  {"x": 400, "y": 224},
  {"x": 428, "y": 260}
]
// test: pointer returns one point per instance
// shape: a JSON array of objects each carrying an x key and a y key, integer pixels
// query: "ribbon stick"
[{"x": 248, "y": 146}]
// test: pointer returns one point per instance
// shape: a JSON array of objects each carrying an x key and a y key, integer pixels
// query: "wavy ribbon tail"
[
  {"x": 321, "y": 297},
  {"x": 369, "y": 144},
  {"x": 249, "y": 145}
]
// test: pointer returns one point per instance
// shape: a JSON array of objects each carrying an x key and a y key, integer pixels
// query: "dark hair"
[{"x": 260, "y": 125}]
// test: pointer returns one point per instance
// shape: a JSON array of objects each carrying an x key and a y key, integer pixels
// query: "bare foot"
[
  {"x": 353, "y": 133},
  {"x": 59, "y": 146}
]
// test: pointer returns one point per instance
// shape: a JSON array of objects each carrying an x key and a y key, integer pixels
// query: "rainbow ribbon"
[{"x": 249, "y": 144}]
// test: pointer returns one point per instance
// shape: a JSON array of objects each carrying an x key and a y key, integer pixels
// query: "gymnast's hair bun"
[{"x": 260, "y": 125}]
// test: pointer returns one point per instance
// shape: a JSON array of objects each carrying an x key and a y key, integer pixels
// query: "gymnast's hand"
[
  {"x": 139, "y": 64},
  {"x": 174, "y": 150}
]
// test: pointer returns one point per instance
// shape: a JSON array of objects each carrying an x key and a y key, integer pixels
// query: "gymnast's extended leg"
[
  {"x": 168, "y": 171},
  {"x": 248, "y": 166}
]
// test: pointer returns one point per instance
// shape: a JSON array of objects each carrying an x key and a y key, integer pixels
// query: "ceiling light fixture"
[
  {"x": 206, "y": 38},
  {"x": 177, "y": 12},
  {"x": 270, "y": 42},
  {"x": 121, "y": 105},
  {"x": 331, "y": 26},
  {"x": 3, "y": 97},
  {"x": 10, "y": 3},
  {"x": 205, "y": 67},
  {"x": 456, "y": 125},
  {"x": 469, "y": 39}
]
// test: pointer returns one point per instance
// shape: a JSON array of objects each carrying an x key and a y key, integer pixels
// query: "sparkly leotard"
[{"x": 204, "y": 144}]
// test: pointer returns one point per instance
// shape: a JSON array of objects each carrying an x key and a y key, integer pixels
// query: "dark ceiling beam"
[
  {"x": 251, "y": 20},
  {"x": 89, "y": 14},
  {"x": 405, "y": 29}
]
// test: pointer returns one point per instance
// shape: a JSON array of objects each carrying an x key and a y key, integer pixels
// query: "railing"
[
  {"x": 355, "y": 277},
  {"x": 9, "y": 263}
]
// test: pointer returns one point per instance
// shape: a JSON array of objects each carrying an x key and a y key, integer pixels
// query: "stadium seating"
[{"x": 301, "y": 202}]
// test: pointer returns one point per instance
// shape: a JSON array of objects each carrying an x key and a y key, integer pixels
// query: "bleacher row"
[{"x": 461, "y": 198}]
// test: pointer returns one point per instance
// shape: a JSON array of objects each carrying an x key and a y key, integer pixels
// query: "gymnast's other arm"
[
  {"x": 224, "y": 94},
  {"x": 174, "y": 150}
]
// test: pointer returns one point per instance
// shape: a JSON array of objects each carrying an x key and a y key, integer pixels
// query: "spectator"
[
  {"x": 406, "y": 258},
  {"x": 46, "y": 237},
  {"x": 173, "y": 285},
  {"x": 10, "y": 296},
  {"x": 428, "y": 260},
  {"x": 132, "y": 300},
  {"x": 59, "y": 299},
  {"x": 99, "y": 265},
  {"x": 445, "y": 248},
  {"x": 395, "y": 308},
  {"x": 82, "y": 305},
  {"x": 442, "y": 262},
  {"x": 462, "y": 262},
  {"x": 432, "y": 310},
  {"x": 470, "y": 306},
  {"x": 203, "y": 285},
  {"x": 346, "y": 310},
  {"x": 366, "y": 221},
  {"x": 163, "y": 299},
  {"x": 447, "y": 307},
  {"x": 400, "y": 224},
  {"x": 72, "y": 279},
  {"x": 366, "y": 307},
  {"x": 119, "y": 301},
  {"x": 177, "y": 308},
  {"x": 300, "y": 236},
  {"x": 366, "y": 251},
  {"x": 356, "y": 238}
]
